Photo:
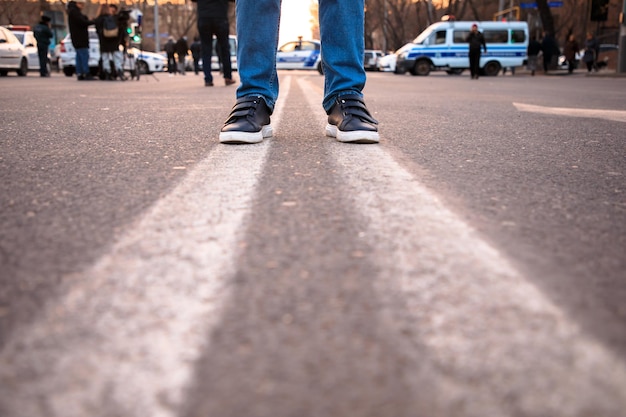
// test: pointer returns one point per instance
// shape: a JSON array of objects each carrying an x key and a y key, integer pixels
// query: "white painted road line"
[
  {"x": 496, "y": 343},
  {"x": 616, "y": 115},
  {"x": 125, "y": 337}
]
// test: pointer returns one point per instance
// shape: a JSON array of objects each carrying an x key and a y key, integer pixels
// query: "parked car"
[
  {"x": 370, "y": 61},
  {"x": 145, "y": 62},
  {"x": 13, "y": 55},
  {"x": 27, "y": 37},
  {"x": 387, "y": 63},
  {"x": 300, "y": 55}
]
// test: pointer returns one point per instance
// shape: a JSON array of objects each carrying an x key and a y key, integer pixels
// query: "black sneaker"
[
  {"x": 248, "y": 122},
  {"x": 350, "y": 121}
]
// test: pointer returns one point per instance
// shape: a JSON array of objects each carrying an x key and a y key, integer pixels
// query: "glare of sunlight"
[{"x": 295, "y": 20}]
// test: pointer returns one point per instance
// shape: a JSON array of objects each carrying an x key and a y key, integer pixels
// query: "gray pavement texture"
[{"x": 471, "y": 264}]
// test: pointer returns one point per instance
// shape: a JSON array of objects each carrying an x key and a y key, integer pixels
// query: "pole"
[
  {"x": 621, "y": 57},
  {"x": 157, "y": 38}
]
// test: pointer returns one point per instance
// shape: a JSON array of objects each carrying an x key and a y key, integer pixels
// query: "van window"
[
  {"x": 440, "y": 37},
  {"x": 518, "y": 36},
  {"x": 460, "y": 36},
  {"x": 496, "y": 36}
]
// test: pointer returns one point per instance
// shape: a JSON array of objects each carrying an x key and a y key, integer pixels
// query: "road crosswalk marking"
[
  {"x": 467, "y": 305},
  {"x": 615, "y": 115}
]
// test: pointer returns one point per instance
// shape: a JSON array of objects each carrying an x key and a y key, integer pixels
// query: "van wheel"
[
  {"x": 422, "y": 68},
  {"x": 320, "y": 68},
  {"x": 68, "y": 71},
  {"x": 492, "y": 68},
  {"x": 23, "y": 68}
]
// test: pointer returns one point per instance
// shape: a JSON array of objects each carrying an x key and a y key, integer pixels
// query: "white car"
[
  {"x": 371, "y": 57},
  {"x": 143, "y": 61},
  {"x": 13, "y": 56},
  {"x": 27, "y": 37},
  {"x": 387, "y": 63},
  {"x": 300, "y": 55}
]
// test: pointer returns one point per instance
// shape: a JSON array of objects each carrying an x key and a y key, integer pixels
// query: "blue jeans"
[
  {"x": 82, "y": 61},
  {"x": 341, "y": 32}
]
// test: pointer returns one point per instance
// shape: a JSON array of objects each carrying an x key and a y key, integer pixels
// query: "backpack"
[{"x": 109, "y": 27}]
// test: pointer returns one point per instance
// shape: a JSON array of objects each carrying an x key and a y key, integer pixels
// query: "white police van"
[{"x": 443, "y": 46}]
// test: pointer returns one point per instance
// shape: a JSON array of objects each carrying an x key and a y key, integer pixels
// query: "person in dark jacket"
[
  {"x": 182, "y": 49},
  {"x": 109, "y": 42},
  {"x": 79, "y": 25},
  {"x": 476, "y": 41},
  {"x": 570, "y": 50},
  {"x": 43, "y": 35},
  {"x": 170, "y": 50},
  {"x": 213, "y": 20},
  {"x": 549, "y": 47},
  {"x": 196, "y": 53},
  {"x": 592, "y": 48},
  {"x": 534, "y": 47}
]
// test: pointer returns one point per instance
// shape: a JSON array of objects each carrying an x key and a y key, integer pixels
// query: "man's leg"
[
  {"x": 221, "y": 33},
  {"x": 257, "y": 34},
  {"x": 206, "y": 39},
  {"x": 43, "y": 61},
  {"x": 341, "y": 31}
]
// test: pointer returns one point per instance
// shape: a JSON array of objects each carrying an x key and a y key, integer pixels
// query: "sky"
[{"x": 295, "y": 20}]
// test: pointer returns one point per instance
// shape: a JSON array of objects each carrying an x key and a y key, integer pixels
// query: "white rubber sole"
[
  {"x": 356, "y": 136},
  {"x": 246, "y": 137}
]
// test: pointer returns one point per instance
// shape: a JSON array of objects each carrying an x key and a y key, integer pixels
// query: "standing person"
[
  {"x": 548, "y": 48},
  {"x": 476, "y": 41},
  {"x": 341, "y": 31},
  {"x": 534, "y": 47},
  {"x": 570, "y": 50},
  {"x": 170, "y": 50},
  {"x": 43, "y": 35},
  {"x": 108, "y": 30},
  {"x": 213, "y": 20},
  {"x": 79, "y": 25},
  {"x": 591, "y": 52},
  {"x": 182, "y": 49},
  {"x": 196, "y": 53}
]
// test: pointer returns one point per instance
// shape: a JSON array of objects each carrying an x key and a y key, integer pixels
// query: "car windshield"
[{"x": 19, "y": 36}]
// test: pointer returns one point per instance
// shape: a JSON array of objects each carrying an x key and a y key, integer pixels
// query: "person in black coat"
[
  {"x": 79, "y": 25},
  {"x": 43, "y": 35},
  {"x": 534, "y": 47},
  {"x": 213, "y": 20},
  {"x": 549, "y": 47},
  {"x": 182, "y": 49},
  {"x": 476, "y": 41}
]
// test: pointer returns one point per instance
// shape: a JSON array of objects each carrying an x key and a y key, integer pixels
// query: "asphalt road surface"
[{"x": 471, "y": 264}]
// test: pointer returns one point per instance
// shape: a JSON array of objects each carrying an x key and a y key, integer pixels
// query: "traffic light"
[{"x": 134, "y": 32}]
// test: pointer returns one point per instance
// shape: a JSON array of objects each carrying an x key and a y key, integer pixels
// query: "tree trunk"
[{"x": 547, "y": 20}]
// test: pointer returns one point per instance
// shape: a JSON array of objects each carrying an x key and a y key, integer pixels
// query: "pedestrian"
[
  {"x": 341, "y": 26},
  {"x": 549, "y": 47},
  {"x": 476, "y": 41},
  {"x": 591, "y": 52},
  {"x": 182, "y": 49},
  {"x": 213, "y": 20},
  {"x": 108, "y": 29},
  {"x": 43, "y": 34},
  {"x": 170, "y": 50},
  {"x": 79, "y": 31},
  {"x": 196, "y": 53},
  {"x": 534, "y": 47},
  {"x": 570, "y": 50}
]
